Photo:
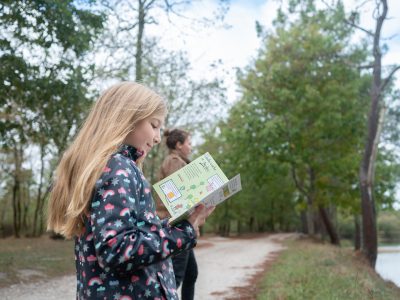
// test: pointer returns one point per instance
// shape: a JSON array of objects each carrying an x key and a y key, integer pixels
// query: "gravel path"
[{"x": 223, "y": 263}]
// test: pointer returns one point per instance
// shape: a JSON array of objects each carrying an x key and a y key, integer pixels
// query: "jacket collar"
[
  {"x": 130, "y": 152},
  {"x": 180, "y": 155}
]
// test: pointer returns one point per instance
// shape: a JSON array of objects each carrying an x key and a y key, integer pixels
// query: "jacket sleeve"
[{"x": 126, "y": 233}]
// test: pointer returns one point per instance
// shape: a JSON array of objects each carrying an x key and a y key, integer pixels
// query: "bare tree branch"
[
  {"x": 148, "y": 5},
  {"x": 360, "y": 28},
  {"x": 351, "y": 22},
  {"x": 387, "y": 79},
  {"x": 365, "y": 66},
  {"x": 128, "y": 27},
  {"x": 390, "y": 37},
  {"x": 361, "y": 4},
  {"x": 379, "y": 23}
]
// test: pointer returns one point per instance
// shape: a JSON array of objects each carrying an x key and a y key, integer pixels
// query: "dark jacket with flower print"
[{"x": 125, "y": 249}]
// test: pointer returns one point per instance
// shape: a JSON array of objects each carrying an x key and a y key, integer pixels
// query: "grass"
[
  {"x": 29, "y": 259},
  {"x": 310, "y": 270}
]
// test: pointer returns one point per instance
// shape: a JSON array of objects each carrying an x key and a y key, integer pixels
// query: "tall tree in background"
[
  {"x": 374, "y": 127},
  {"x": 131, "y": 52},
  {"x": 241, "y": 145},
  {"x": 43, "y": 79},
  {"x": 125, "y": 43},
  {"x": 191, "y": 103},
  {"x": 312, "y": 102}
]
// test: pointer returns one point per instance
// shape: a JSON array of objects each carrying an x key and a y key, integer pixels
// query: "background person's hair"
[
  {"x": 113, "y": 116},
  {"x": 174, "y": 136}
]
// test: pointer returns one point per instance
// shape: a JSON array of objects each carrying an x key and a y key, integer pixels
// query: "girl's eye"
[{"x": 154, "y": 126}]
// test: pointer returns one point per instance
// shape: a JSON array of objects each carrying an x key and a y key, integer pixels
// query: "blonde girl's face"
[{"x": 146, "y": 135}]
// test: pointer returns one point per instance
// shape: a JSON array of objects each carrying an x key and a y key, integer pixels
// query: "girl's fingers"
[{"x": 199, "y": 216}]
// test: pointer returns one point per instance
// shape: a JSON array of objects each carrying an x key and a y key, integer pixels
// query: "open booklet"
[{"x": 200, "y": 181}]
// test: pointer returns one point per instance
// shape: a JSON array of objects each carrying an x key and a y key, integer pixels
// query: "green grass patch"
[
  {"x": 30, "y": 259},
  {"x": 310, "y": 270}
]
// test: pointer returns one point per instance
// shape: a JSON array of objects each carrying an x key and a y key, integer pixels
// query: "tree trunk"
[
  {"x": 25, "y": 200},
  {"x": 311, "y": 220},
  {"x": 139, "y": 42},
  {"x": 304, "y": 223},
  {"x": 251, "y": 224},
  {"x": 2, "y": 217},
  {"x": 224, "y": 228},
  {"x": 41, "y": 221},
  {"x": 239, "y": 227},
  {"x": 329, "y": 226},
  {"x": 16, "y": 195},
  {"x": 271, "y": 218},
  {"x": 39, "y": 195},
  {"x": 369, "y": 233},
  {"x": 308, "y": 194},
  {"x": 367, "y": 167},
  {"x": 16, "y": 224},
  {"x": 357, "y": 233},
  {"x": 282, "y": 224}
]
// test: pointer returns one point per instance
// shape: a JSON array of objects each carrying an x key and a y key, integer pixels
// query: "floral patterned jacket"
[{"x": 125, "y": 250}]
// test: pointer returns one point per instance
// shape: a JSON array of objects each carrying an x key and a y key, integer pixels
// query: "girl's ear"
[{"x": 178, "y": 145}]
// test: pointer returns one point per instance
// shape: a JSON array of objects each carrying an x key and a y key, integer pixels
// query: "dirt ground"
[{"x": 228, "y": 269}]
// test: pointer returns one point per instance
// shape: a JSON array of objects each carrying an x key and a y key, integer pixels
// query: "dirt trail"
[{"x": 224, "y": 264}]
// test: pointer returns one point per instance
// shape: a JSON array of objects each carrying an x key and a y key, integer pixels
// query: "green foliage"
[
  {"x": 389, "y": 227},
  {"x": 44, "y": 78},
  {"x": 387, "y": 175},
  {"x": 310, "y": 97},
  {"x": 346, "y": 227},
  {"x": 42, "y": 73},
  {"x": 267, "y": 199},
  {"x": 190, "y": 102}
]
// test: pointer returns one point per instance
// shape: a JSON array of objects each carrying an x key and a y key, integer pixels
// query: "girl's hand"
[{"x": 199, "y": 216}]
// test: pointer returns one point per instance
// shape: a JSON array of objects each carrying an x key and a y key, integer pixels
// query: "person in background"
[{"x": 185, "y": 266}]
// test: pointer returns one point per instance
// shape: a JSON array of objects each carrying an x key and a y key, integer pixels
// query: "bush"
[
  {"x": 389, "y": 227},
  {"x": 346, "y": 228}
]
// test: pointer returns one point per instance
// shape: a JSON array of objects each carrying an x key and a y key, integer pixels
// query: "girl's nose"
[{"x": 157, "y": 138}]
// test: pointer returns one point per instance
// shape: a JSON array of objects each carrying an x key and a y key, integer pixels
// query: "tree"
[
  {"x": 123, "y": 45},
  {"x": 267, "y": 201},
  {"x": 191, "y": 103},
  {"x": 43, "y": 78},
  {"x": 374, "y": 127},
  {"x": 302, "y": 113},
  {"x": 311, "y": 98}
]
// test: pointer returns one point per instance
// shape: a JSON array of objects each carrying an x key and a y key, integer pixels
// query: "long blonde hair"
[{"x": 113, "y": 116}]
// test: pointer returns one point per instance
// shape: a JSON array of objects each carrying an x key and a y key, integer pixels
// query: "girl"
[
  {"x": 185, "y": 267},
  {"x": 101, "y": 198}
]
